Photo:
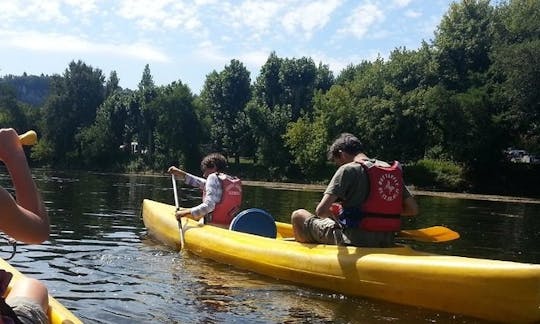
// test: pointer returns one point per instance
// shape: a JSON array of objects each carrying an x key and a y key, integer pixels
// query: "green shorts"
[
  {"x": 328, "y": 231},
  {"x": 28, "y": 311}
]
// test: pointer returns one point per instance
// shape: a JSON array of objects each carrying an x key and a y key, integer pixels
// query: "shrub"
[{"x": 436, "y": 174}]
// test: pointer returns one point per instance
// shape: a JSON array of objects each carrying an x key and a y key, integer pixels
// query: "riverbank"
[{"x": 456, "y": 195}]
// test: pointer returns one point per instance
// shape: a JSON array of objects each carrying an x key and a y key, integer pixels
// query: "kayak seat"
[{"x": 254, "y": 221}]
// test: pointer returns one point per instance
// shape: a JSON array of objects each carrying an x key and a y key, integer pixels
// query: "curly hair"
[{"x": 214, "y": 160}]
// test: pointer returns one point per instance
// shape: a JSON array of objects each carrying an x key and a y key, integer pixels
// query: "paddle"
[
  {"x": 180, "y": 226},
  {"x": 434, "y": 234},
  {"x": 29, "y": 138}
]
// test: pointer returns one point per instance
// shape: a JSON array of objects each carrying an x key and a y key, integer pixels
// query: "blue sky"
[{"x": 186, "y": 40}]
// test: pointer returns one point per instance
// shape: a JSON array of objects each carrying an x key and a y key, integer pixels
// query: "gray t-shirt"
[{"x": 350, "y": 184}]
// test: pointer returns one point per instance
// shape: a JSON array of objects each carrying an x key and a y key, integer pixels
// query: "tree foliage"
[{"x": 462, "y": 97}]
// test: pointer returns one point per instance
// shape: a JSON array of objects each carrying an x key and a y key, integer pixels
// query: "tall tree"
[
  {"x": 112, "y": 84},
  {"x": 72, "y": 105},
  {"x": 325, "y": 78},
  {"x": 226, "y": 95},
  {"x": 101, "y": 142},
  {"x": 463, "y": 41},
  {"x": 292, "y": 83},
  {"x": 177, "y": 132},
  {"x": 516, "y": 71},
  {"x": 147, "y": 93},
  {"x": 297, "y": 78},
  {"x": 412, "y": 69},
  {"x": 11, "y": 112},
  {"x": 267, "y": 88}
]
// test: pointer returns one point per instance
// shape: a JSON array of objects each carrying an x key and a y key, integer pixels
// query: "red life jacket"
[
  {"x": 231, "y": 199},
  {"x": 382, "y": 208}
]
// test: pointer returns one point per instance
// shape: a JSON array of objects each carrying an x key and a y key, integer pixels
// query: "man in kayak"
[
  {"x": 361, "y": 205},
  {"x": 222, "y": 194},
  {"x": 24, "y": 219}
]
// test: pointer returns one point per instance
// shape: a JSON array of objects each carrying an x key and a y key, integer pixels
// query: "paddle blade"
[
  {"x": 430, "y": 234},
  {"x": 29, "y": 138}
]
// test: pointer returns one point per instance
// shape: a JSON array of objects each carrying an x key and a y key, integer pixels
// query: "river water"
[{"x": 100, "y": 263}]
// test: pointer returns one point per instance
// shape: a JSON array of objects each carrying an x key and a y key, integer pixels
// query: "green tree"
[
  {"x": 103, "y": 144},
  {"x": 269, "y": 126},
  {"x": 11, "y": 113},
  {"x": 307, "y": 143},
  {"x": 349, "y": 73},
  {"x": 297, "y": 79},
  {"x": 177, "y": 132},
  {"x": 146, "y": 122},
  {"x": 324, "y": 79},
  {"x": 267, "y": 88},
  {"x": 409, "y": 70},
  {"x": 72, "y": 105},
  {"x": 463, "y": 41},
  {"x": 112, "y": 84},
  {"x": 516, "y": 72},
  {"x": 226, "y": 94},
  {"x": 291, "y": 82}
]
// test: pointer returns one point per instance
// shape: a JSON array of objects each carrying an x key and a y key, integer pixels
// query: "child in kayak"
[
  {"x": 222, "y": 194},
  {"x": 24, "y": 219}
]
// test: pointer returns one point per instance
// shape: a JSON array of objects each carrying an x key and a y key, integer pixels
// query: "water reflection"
[{"x": 100, "y": 264}]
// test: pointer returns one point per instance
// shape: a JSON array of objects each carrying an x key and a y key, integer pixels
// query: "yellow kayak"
[
  {"x": 58, "y": 314},
  {"x": 487, "y": 289}
]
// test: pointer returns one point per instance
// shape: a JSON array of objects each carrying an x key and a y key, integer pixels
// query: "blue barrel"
[{"x": 254, "y": 221}]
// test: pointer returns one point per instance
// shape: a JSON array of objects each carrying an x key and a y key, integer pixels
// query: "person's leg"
[
  {"x": 298, "y": 219},
  {"x": 31, "y": 289},
  {"x": 312, "y": 229}
]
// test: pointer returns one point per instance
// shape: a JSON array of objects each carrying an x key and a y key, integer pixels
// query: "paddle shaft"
[{"x": 181, "y": 227}]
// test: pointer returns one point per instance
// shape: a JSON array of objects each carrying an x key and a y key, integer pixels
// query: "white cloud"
[
  {"x": 362, "y": 19},
  {"x": 412, "y": 13},
  {"x": 157, "y": 14},
  {"x": 258, "y": 15},
  {"x": 401, "y": 3},
  {"x": 36, "y": 10},
  {"x": 205, "y": 2},
  {"x": 207, "y": 51},
  {"x": 83, "y": 6},
  {"x": 57, "y": 43},
  {"x": 310, "y": 16},
  {"x": 215, "y": 56},
  {"x": 254, "y": 59}
]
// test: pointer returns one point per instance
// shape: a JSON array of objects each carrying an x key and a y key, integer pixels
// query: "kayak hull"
[
  {"x": 57, "y": 313},
  {"x": 488, "y": 289}
]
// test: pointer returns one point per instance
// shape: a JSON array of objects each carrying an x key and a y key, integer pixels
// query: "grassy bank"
[{"x": 510, "y": 179}]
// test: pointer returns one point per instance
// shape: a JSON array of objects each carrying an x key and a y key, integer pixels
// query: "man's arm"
[
  {"x": 409, "y": 207},
  {"x": 323, "y": 208}
]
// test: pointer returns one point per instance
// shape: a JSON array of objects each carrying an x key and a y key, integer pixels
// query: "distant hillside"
[{"x": 30, "y": 89}]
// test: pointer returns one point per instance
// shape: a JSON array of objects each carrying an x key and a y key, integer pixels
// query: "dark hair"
[
  {"x": 347, "y": 143},
  {"x": 214, "y": 160}
]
